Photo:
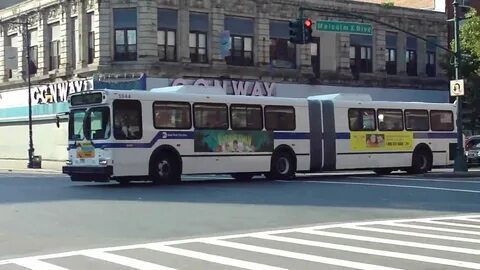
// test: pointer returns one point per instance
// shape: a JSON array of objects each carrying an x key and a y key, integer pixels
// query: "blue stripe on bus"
[
  {"x": 179, "y": 135},
  {"x": 343, "y": 136}
]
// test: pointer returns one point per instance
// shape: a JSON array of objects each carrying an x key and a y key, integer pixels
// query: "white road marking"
[
  {"x": 212, "y": 258},
  {"x": 295, "y": 255},
  {"x": 419, "y": 179},
  {"x": 38, "y": 265},
  {"x": 468, "y": 219},
  {"x": 369, "y": 251},
  {"x": 393, "y": 242},
  {"x": 423, "y": 235},
  {"x": 126, "y": 261},
  {"x": 431, "y": 228},
  {"x": 103, "y": 253},
  {"x": 451, "y": 224},
  {"x": 389, "y": 185}
]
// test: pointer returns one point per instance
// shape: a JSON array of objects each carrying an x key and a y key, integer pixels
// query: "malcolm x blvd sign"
[
  {"x": 457, "y": 88},
  {"x": 346, "y": 27}
]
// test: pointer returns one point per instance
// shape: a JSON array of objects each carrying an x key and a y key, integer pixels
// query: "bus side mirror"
[{"x": 57, "y": 118}]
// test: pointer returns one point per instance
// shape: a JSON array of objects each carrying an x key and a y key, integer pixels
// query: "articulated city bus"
[{"x": 167, "y": 132}]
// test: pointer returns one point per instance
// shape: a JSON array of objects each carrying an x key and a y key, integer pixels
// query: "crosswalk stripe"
[
  {"x": 126, "y": 261},
  {"x": 424, "y": 235},
  {"x": 299, "y": 256},
  {"x": 431, "y": 228},
  {"x": 37, "y": 265},
  {"x": 393, "y": 242},
  {"x": 451, "y": 224},
  {"x": 369, "y": 251},
  {"x": 213, "y": 258}
]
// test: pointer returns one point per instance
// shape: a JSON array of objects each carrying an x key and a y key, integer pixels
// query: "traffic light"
[
  {"x": 307, "y": 30},
  {"x": 301, "y": 31},
  {"x": 296, "y": 29}
]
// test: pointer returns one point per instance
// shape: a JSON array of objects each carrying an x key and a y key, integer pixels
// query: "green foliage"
[
  {"x": 387, "y": 4},
  {"x": 470, "y": 65}
]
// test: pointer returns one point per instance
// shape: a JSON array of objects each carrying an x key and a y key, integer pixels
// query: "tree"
[{"x": 470, "y": 67}]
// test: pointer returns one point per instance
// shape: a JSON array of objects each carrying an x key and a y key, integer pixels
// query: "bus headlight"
[
  {"x": 103, "y": 162},
  {"x": 68, "y": 162}
]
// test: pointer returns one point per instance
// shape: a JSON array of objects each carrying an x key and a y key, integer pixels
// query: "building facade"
[{"x": 73, "y": 43}]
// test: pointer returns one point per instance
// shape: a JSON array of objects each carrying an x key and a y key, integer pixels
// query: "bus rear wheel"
[
  {"x": 283, "y": 166},
  {"x": 421, "y": 162},
  {"x": 165, "y": 169}
]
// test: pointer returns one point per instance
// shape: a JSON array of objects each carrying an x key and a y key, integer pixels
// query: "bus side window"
[
  {"x": 280, "y": 118},
  {"x": 210, "y": 116},
  {"x": 441, "y": 120},
  {"x": 361, "y": 119},
  {"x": 127, "y": 116},
  {"x": 171, "y": 115},
  {"x": 390, "y": 120},
  {"x": 417, "y": 120}
]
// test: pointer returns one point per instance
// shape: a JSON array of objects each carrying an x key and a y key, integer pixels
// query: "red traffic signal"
[{"x": 308, "y": 23}]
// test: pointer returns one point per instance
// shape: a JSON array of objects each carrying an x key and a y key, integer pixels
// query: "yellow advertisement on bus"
[{"x": 374, "y": 140}]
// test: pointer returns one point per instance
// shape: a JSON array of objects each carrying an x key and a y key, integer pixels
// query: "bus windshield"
[
  {"x": 97, "y": 124},
  {"x": 75, "y": 127}
]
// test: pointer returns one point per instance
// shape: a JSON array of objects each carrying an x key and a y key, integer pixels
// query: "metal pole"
[
  {"x": 460, "y": 164},
  {"x": 30, "y": 131}
]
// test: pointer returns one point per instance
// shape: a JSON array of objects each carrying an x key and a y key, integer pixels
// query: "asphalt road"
[{"x": 42, "y": 214}]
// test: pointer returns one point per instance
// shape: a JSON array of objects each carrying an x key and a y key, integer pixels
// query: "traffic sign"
[
  {"x": 457, "y": 88},
  {"x": 346, "y": 27}
]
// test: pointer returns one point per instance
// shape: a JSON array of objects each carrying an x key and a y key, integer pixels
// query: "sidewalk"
[
  {"x": 20, "y": 166},
  {"x": 447, "y": 173}
]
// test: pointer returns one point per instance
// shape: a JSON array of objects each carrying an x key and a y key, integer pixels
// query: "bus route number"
[{"x": 124, "y": 96}]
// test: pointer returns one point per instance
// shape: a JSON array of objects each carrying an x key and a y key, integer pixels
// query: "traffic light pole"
[{"x": 460, "y": 164}]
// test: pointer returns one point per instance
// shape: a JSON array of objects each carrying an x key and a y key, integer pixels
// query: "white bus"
[{"x": 166, "y": 132}]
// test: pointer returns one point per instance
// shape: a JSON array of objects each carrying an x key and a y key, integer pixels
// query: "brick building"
[{"x": 173, "y": 41}]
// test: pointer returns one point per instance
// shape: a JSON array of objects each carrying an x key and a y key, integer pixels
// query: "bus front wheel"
[
  {"x": 165, "y": 169},
  {"x": 283, "y": 166}
]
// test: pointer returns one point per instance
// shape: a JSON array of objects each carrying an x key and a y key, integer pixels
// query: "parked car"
[{"x": 472, "y": 149}]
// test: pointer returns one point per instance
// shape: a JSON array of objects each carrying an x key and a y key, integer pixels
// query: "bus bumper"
[{"x": 88, "y": 173}]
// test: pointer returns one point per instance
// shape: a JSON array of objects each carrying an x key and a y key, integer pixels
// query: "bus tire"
[
  {"x": 282, "y": 167},
  {"x": 383, "y": 171},
  {"x": 165, "y": 169},
  {"x": 242, "y": 176},
  {"x": 421, "y": 161}
]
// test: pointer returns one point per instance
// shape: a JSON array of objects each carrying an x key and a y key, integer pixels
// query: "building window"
[
  {"x": 54, "y": 46},
  {"x": 282, "y": 51},
  {"x": 241, "y": 39},
  {"x": 430, "y": 68},
  {"x": 360, "y": 54},
  {"x": 411, "y": 56},
  {"x": 91, "y": 38},
  {"x": 125, "y": 23},
  {"x": 167, "y": 35},
  {"x": 391, "y": 54},
  {"x": 198, "y": 47},
  {"x": 13, "y": 43},
  {"x": 33, "y": 48},
  {"x": 198, "y": 37}
]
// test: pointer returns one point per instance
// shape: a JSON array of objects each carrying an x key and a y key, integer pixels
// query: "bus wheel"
[
  {"x": 242, "y": 176},
  {"x": 282, "y": 167},
  {"x": 421, "y": 162},
  {"x": 165, "y": 169},
  {"x": 383, "y": 171}
]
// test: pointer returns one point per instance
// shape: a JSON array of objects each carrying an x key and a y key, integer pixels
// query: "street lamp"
[
  {"x": 460, "y": 165},
  {"x": 31, "y": 150}
]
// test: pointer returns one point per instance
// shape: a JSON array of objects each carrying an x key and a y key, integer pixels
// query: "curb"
[
  {"x": 30, "y": 171},
  {"x": 474, "y": 174}
]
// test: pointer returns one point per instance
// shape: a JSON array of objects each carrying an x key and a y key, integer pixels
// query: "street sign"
[
  {"x": 345, "y": 27},
  {"x": 457, "y": 88}
]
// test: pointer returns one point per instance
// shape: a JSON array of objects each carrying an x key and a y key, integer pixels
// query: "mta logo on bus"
[{"x": 175, "y": 135}]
